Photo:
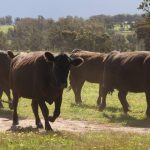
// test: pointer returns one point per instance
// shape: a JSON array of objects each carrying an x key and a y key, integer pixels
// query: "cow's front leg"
[
  {"x": 45, "y": 113},
  {"x": 123, "y": 100},
  {"x": 148, "y": 103},
  {"x": 99, "y": 97},
  {"x": 34, "y": 105},
  {"x": 56, "y": 113}
]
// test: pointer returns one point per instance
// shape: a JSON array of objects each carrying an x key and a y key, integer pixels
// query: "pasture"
[
  {"x": 5, "y": 28},
  {"x": 68, "y": 141},
  {"x": 113, "y": 115}
]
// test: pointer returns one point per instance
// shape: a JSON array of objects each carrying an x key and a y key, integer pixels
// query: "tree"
[
  {"x": 119, "y": 42},
  {"x": 143, "y": 29},
  {"x": 145, "y": 6}
]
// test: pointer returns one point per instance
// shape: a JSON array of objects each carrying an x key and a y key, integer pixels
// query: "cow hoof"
[
  {"x": 39, "y": 125},
  {"x": 127, "y": 110},
  {"x": 51, "y": 119},
  {"x": 101, "y": 108},
  {"x": 48, "y": 128},
  {"x": 78, "y": 102},
  {"x": 15, "y": 123}
]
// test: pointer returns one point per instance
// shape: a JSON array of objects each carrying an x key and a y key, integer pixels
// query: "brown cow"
[
  {"x": 4, "y": 75},
  {"x": 91, "y": 70},
  {"x": 127, "y": 72},
  {"x": 40, "y": 76}
]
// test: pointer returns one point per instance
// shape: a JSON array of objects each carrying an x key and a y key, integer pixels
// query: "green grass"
[
  {"x": 113, "y": 114},
  {"x": 67, "y": 141},
  {"x": 5, "y": 28},
  {"x": 30, "y": 138}
]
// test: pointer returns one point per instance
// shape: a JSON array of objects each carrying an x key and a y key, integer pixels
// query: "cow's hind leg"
[
  {"x": 34, "y": 105},
  {"x": 15, "y": 105},
  {"x": 102, "y": 106},
  {"x": 123, "y": 100},
  {"x": 77, "y": 90},
  {"x": 45, "y": 113},
  {"x": 148, "y": 104}
]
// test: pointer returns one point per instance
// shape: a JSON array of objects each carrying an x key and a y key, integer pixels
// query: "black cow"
[
  {"x": 5, "y": 61},
  {"x": 40, "y": 76}
]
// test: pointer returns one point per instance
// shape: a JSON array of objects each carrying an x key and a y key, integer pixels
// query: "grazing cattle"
[
  {"x": 91, "y": 70},
  {"x": 40, "y": 76},
  {"x": 4, "y": 76},
  {"x": 127, "y": 72}
]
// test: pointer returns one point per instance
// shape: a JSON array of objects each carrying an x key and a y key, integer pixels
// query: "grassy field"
[
  {"x": 5, "y": 28},
  {"x": 68, "y": 141},
  {"x": 112, "y": 115}
]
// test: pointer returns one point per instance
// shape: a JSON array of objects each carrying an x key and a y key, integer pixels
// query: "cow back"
[{"x": 125, "y": 71}]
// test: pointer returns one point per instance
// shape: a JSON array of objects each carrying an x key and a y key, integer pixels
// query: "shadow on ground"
[
  {"x": 126, "y": 119},
  {"x": 23, "y": 129},
  {"x": 28, "y": 129},
  {"x": 6, "y": 113},
  {"x": 82, "y": 105}
]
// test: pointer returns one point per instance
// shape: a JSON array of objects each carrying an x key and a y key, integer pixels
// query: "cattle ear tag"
[
  {"x": 77, "y": 61},
  {"x": 49, "y": 56}
]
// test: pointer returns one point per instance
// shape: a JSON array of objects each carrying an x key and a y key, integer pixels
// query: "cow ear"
[
  {"x": 49, "y": 56},
  {"x": 77, "y": 61},
  {"x": 10, "y": 54}
]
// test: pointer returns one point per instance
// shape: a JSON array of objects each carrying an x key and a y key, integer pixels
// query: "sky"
[{"x": 61, "y": 8}]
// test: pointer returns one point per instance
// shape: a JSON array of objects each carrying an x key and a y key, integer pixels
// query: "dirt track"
[{"x": 73, "y": 126}]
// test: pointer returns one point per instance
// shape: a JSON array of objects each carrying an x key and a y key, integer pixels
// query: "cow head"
[{"x": 61, "y": 67}]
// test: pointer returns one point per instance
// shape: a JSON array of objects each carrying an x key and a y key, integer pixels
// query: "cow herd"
[
  {"x": 42, "y": 77},
  {"x": 124, "y": 71}
]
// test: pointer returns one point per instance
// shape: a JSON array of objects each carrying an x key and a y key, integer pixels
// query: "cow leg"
[
  {"x": 34, "y": 105},
  {"x": 15, "y": 105},
  {"x": 77, "y": 91},
  {"x": 99, "y": 97},
  {"x": 45, "y": 113},
  {"x": 148, "y": 104},
  {"x": 57, "y": 109},
  {"x": 102, "y": 106},
  {"x": 1, "y": 104},
  {"x": 123, "y": 100},
  {"x": 7, "y": 91}
]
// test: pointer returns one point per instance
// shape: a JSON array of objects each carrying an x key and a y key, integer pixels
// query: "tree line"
[
  {"x": 7, "y": 20},
  {"x": 65, "y": 34}
]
